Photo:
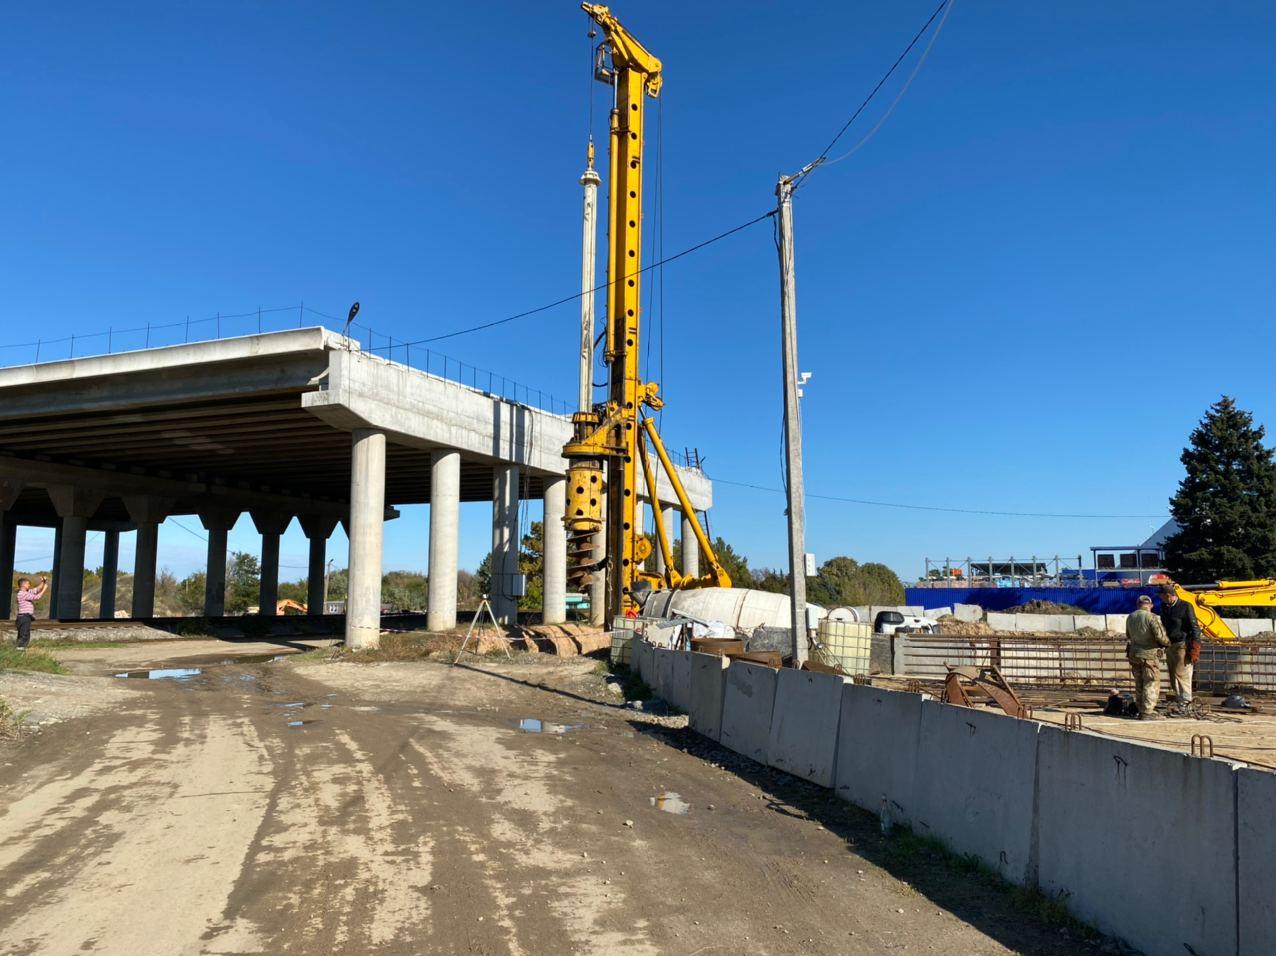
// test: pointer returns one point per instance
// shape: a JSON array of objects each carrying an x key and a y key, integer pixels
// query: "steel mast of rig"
[{"x": 610, "y": 441}]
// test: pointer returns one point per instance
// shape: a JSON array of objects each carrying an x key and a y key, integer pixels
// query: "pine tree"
[{"x": 1226, "y": 502}]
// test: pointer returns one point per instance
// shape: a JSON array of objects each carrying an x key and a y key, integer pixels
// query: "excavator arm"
[
  {"x": 1204, "y": 598},
  {"x": 609, "y": 441}
]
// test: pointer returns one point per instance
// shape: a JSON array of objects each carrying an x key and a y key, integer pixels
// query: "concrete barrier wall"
[
  {"x": 968, "y": 612},
  {"x": 1001, "y": 622},
  {"x": 708, "y": 687},
  {"x": 678, "y": 689},
  {"x": 804, "y": 724},
  {"x": 746, "y": 709},
  {"x": 1140, "y": 840},
  {"x": 975, "y": 786},
  {"x": 1256, "y": 859},
  {"x": 664, "y": 674},
  {"x": 877, "y": 743},
  {"x": 1168, "y": 852}
]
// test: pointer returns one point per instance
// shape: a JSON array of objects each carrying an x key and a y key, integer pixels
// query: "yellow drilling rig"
[{"x": 610, "y": 441}]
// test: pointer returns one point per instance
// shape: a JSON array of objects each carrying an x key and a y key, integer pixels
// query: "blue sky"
[{"x": 1019, "y": 296}]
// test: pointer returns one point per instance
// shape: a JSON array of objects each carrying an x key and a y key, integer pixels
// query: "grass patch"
[
  {"x": 11, "y": 722},
  {"x": 909, "y": 851},
  {"x": 12, "y": 659},
  {"x": 631, "y": 683},
  {"x": 66, "y": 644}
]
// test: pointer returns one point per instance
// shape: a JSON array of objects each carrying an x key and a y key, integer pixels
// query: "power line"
[
  {"x": 572, "y": 298},
  {"x": 810, "y": 167},
  {"x": 964, "y": 511}
]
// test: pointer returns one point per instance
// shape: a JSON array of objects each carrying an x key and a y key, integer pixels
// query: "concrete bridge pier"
[
  {"x": 318, "y": 529},
  {"x": 554, "y": 583},
  {"x": 8, "y": 545},
  {"x": 270, "y": 525},
  {"x": 445, "y": 515},
  {"x": 110, "y": 574},
  {"x": 505, "y": 543},
  {"x": 74, "y": 505},
  {"x": 147, "y": 511},
  {"x": 217, "y": 522},
  {"x": 690, "y": 549},
  {"x": 366, "y": 532}
]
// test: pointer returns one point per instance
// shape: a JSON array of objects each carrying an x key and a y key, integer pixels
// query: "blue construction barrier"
[{"x": 1090, "y": 600}]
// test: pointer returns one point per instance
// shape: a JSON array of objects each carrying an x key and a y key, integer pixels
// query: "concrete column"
[
  {"x": 110, "y": 574},
  {"x": 75, "y": 505},
  {"x": 690, "y": 550},
  {"x": 504, "y": 542},
  {"x": 8, "y": 544},
  {"x": 71, "y": 566},
  {"x": 367, "y": 527},
  {"x": 318, "y": 529},
  {"x": 56, "y": 571},
  {"x": 445, "y": 517},
  {"x": 598, "y": 584},
  {"x": 217, "y": 522},
  {"x": 144, "y": 561},
  {"x": 554, "y": 608},
  {"x": 270, "y": 524},
  {"x": 671, "y": 529},
  {"x": 10, "y": 489},
  {"x": 147, "y": 512}
]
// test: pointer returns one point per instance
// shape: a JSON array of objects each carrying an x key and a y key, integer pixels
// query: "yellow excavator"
[
  {"x": 610, "y": 441},
  {"x": 1205, "y": 597}
]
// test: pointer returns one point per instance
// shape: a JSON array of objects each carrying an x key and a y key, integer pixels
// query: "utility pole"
[
  {"x": 792, "y": 422},
  {"x": 588, "y": 271}
]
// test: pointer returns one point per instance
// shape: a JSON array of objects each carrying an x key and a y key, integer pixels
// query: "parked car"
[{"x": 894, "y": 622}]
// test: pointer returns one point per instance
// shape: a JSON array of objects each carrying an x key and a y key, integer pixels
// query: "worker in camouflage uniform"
[{"x": 1146, "y": 637}]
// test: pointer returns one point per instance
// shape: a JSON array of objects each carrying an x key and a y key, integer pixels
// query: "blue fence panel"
[{"x": 1090, "y": 600}]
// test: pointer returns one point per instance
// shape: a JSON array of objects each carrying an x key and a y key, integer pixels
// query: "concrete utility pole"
[
  {"x": 792, "y": 422},
  {"x": 589, "y": 255},
  {"x": 588, "y": 273}
]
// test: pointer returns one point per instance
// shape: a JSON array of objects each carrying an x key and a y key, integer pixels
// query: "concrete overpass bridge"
[{"x": 299, "y": 424}]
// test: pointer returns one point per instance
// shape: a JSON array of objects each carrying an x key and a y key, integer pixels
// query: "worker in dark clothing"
[{"x": 1179, "y": 619}]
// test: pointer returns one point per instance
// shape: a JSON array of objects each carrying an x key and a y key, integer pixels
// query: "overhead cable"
[
  {"x": 964, "y": 511},
  {"x": 824, "y": 153}
]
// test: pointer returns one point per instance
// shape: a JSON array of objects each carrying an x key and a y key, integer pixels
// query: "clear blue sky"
[{"x": 1019, "y": 296}]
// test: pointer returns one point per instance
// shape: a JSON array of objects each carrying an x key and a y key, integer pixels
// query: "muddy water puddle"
[
  {"x": 162, "y": 673},
  {"x": 534, "y": 725}
]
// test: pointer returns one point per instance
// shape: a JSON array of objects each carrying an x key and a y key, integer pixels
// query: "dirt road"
[{"x": 280, "y": 807}]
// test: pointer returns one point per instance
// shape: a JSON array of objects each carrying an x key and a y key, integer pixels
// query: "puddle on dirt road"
[
  {"x": 163, "y": 673},
  {"x": 531, "y": 725},
  {"x": 671, "y": 802},
  {"x": 301, "y": 723}
]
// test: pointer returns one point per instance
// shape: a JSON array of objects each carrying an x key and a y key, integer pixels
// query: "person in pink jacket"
[{"x": 27, "y": 596}]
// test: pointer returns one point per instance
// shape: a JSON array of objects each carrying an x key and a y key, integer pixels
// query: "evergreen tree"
[
  {"x": 1226, "y": 502},
  {"x": 843, "y": 582}
]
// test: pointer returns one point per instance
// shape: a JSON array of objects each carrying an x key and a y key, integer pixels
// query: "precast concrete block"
[
  {"x": 1094, "y": 621},
  {"x": 912, "y": 610},
  {"x": 975, "y": 786},
  {"x": 1043, "y": 623},
  {"x": 1001, "y": 622},
  {"x": 1251, "y": 627},
  {"x": 647, "y": 665},
  {"x": 1116, "y": 622},
  {"x": 935, "y": 613},
  {"x": 664, "y": 673},
  {"x": 638, "y": 651},
  {"x": 1256, "y": 859},
  {"x": 746, "y": 709},
  {"x": 708, "y": 687},
  {"x": 677, "y": 689},
  {"x": 1110, "y": 808},
  {"x": 877, "y": 740},
  {"x": 804, "y": 724},
  {"x": 968, "y": 612}
]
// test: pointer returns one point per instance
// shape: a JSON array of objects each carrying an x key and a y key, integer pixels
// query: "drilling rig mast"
[{"x": 610, "y": 441}]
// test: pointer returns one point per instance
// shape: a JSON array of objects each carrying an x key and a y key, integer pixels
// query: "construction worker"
[
  {"x": 1146, "y": 637},
  {"x": 1185, "y": 642}
]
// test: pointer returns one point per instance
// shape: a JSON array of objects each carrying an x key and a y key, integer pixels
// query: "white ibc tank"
[
  {"x": 742, "y": 608},
  {"x": 846, "y": 644}
]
